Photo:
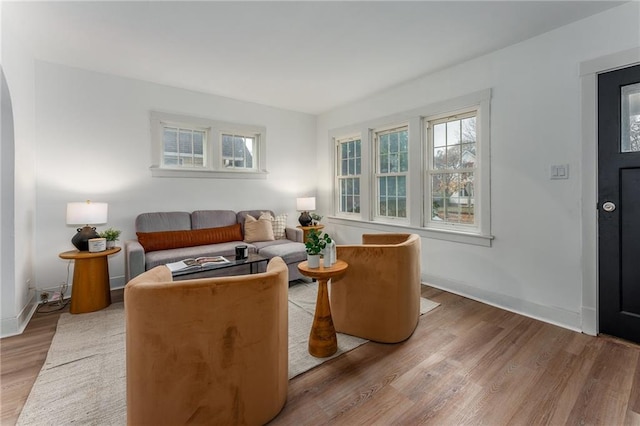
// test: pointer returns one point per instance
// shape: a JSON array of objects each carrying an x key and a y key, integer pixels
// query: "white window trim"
[
  {"x": 376, "y": 174},
  {"x": 428, "y": 123},
  {"x": 337, "y": 141},
  {"x": 479, "y": 100},
  {"x": 213, "y": 167}
]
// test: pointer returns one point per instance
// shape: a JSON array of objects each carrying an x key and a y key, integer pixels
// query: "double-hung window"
[
  {"x": 425, "y": 170},
  {"x": 452, "y": 158},
  {"x": 349, "y": 155},
  {"x": 184, "y": 146},
  {"x": 391, "y": 172}
]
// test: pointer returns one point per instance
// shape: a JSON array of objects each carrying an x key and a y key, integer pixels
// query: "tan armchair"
[
  {"x": 379, "y": 296},
  {"x": 207, "y": 351}
]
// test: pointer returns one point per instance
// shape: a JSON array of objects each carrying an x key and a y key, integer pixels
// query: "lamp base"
[
  {"x": 81, "y": 239},
  {"x": 305, "y": 219}
]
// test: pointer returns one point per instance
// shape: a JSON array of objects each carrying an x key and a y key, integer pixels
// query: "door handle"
[{"x": 608, "y": 206}]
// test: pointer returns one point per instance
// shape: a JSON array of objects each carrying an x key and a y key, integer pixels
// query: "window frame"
[
  {"x": 338, "y": 142},
  {"x": 376, "y": 133},
  {"x": 213, "y": 166},
  {"x": 418, "y": 166},
  {"x": 428, "y": 124}
]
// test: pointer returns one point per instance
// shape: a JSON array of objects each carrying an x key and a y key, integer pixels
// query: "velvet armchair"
[
  {"x": 379, "y": 297},
  {"x": 207, "y": 351}
]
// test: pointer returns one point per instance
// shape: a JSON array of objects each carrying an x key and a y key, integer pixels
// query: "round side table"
[
  {"x": 322, "y": 339},
  {"x": 91, "y": 290}
]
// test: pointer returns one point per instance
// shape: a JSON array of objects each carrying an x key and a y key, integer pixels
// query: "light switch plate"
[{"x": 559, "y": 171}]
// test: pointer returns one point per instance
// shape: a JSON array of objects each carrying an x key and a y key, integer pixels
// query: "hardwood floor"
[{"x": 466, "y": 363}]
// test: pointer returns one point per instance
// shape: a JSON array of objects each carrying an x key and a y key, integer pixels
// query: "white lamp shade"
[
  {"x": 86, "y": 213},
  {"x": 306, "y": 204}
]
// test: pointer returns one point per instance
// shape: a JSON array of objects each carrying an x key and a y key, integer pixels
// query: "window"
[
  {"x": 349, "y": 155},
  {"x": 183, "y": 147},
  {"x": 452, "y": 159},
  {"x": 196, "y": 147},
  {"x": 237, "y": 151},
  {"x": 392, "y": 167},
  {"x": 426, "y": 171}
]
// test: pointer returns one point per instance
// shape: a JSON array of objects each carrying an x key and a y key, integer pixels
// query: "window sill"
[
  {"x": 436, "y": 234},
  {"x": 212, "y": 174}
]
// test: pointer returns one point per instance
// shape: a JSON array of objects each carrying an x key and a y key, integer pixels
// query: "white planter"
[
  {"x": 111, "y": 244},
  {"x": 313, "y": 260}
]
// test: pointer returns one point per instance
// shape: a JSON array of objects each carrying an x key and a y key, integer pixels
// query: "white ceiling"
[{"x": 298, "y": 55}]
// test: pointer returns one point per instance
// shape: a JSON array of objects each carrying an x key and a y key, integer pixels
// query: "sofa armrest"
[
  {"x": 134, "y": 262},
  {"x": 294, "y": 234}
]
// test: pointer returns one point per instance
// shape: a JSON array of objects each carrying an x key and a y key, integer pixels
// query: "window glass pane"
[
  {"x": 404, "y": 141},
  {"x": 469, "y": 130},
  {"x": 357, "y": 149},
  {"x": 402, "y": 207},
  {"x": 170, "y": 139},
  {"x": 439, "y": 158},
  {"x": 384, "y": 144},
  {"x": 344, "y": 167},
  {"x": 630, "y": 131},
  {"x": 404, "y": 161},
  {"x": 439, "y": 135},
  {"x": 185, "y": 137},
  {"x": 393, "y": 163},
  {"x": 382, "y": 188},
  {"x": 384, "y": 163},
  {"x": 453, "y": 132},
  {"x": 453, "y": 157},
  {"x": 391, "y": 186},
  {"x": 198, "y": 143},
  {"x": 393, "y": 142},
  {"x": 170, "y": 160}
]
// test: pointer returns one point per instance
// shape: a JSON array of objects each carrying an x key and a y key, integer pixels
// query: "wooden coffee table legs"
[{"x": 322, "y": 339}]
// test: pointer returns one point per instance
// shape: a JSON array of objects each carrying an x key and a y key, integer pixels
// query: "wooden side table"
[
  {"x": 322, "y": 339},
  {"x": 91, "y": 290},
  {"x": 306, "y": 229}
]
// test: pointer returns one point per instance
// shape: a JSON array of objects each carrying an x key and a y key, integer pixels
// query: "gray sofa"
[{"x": 291, "y": 248}]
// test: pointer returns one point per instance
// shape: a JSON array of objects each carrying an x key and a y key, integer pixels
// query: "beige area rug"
[{"x": 83, "y": 378}]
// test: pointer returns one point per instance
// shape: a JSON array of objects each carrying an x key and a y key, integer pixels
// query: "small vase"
[
  {"x": 111, "y": 244},
  {"x": 313, "y": 260}
]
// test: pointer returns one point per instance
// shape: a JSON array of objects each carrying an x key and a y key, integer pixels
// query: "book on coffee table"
[{"x": 197, "y": 263}]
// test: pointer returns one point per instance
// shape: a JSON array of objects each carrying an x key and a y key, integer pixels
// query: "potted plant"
[
  {"x": 315, "y": 218},
  {"x": 316, "y": 242},
  {"x": 111, "y": 235}
]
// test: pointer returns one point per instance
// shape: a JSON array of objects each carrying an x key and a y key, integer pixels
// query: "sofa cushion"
[
  {"x": 163, "y": 221},
  {"x": 257, "y": 229},
  {"x": 278, "y": 223},
  {"x": 212, "y": 218},
  {"x": 153, "y": 241},
  {"x": 289, "y": 251}
]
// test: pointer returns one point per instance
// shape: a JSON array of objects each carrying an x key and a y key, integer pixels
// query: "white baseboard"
[
  {"x": 16, "y": 325},
  {"x": 589, "y": 321},
  {"x": 552, "y": 315}
]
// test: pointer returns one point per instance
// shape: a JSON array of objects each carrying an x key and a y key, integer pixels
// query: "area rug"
[{"x": 83, "y": 378}]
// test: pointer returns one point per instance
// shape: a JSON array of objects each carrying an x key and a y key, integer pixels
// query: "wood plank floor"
[{"x": 467, "y": 363}]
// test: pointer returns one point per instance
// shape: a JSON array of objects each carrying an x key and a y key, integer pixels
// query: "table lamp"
[
  {"x": 85, "y": 213},
  {"x": 305, "y": 205}
]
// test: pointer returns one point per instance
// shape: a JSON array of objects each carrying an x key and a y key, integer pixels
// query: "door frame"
[{"x": 589, "y": 71}]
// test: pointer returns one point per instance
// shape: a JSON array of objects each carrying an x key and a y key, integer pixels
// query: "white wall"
[
  {"x": 534, "y": 264},
  {"x": 93, "y": 142},
  {"x": 18, "y": 203}
]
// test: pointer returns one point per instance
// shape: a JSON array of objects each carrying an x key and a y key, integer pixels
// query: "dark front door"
[{"x": 619, "y": 202}]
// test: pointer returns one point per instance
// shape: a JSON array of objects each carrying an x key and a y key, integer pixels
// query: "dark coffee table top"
[{"x": 251, "y": 259}]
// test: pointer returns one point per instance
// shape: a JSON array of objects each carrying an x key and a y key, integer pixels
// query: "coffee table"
[
  {"x": 253, "y": 260},
  {"x": 323, "y": 341}
]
